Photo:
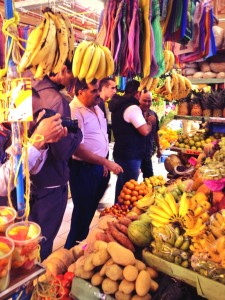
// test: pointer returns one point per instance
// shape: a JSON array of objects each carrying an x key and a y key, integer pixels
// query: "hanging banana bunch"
[
  {"x": 49, "y": 45},
  {"x": 92, "y": 61}
]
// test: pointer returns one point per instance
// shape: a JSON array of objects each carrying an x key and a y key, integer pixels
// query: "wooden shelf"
[{"x": 207, "y": 80}]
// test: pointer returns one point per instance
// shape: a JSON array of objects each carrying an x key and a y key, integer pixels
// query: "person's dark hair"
[
  {"x": 105, "y": 82},
  {"x": 82, "y": 85},
  {"x": 68, "y": 64},
  {"x": 131, "y": 87}
]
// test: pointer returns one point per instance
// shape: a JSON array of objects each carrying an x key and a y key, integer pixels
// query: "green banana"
[
  {"x": 185, "y": 245},
  {"x": 179, "y": 241}
]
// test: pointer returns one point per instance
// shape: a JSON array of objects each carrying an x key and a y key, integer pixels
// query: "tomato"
[
  {"x": 69, "y": 275},
  {"x": 59, "y": 277},
  {"x": 66, "y": 283}
]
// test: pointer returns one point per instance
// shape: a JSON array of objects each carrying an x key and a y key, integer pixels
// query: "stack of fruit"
[
  {"x": 195, "y": 142},
  {"x": 154, "y": 181},
  {"x": 167, "y": 137},
  {"x": 48, "y": 45}
]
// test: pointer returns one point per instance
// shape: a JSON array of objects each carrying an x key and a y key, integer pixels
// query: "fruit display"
[
  {"x": 154, "y": 181},
  {"x": 7, "y": 217},
  {"x": 214, "y": 168},
  {"x": 6, "y": 249},
  {"x": 148, "y": 83},
  {"x": 92, "y": 61},
  {"x": 131, "y": 192},
  {"x": 167, "y": 137},
  {"x": 193, "y": 142},
  {"x": 48, "y": 45},
  {"x": 26, "y": 237}
]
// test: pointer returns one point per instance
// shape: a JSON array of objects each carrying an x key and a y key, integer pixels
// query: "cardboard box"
[{"x": 205, "y": 287}]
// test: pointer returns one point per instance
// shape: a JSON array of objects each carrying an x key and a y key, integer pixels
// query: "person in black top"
[{"x": 152, "y": 137}]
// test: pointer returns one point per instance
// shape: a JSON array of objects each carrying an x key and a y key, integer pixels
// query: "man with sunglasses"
[{"x": 89, "y": 167}]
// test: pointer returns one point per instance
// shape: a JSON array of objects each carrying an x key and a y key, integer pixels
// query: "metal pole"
[{"x": 16, "y": 139}]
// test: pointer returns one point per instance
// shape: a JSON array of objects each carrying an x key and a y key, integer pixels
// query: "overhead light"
[{"x": 97, "y": 5}]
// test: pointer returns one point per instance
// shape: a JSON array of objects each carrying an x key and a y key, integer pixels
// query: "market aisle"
[{"x": 106, "y": 201}]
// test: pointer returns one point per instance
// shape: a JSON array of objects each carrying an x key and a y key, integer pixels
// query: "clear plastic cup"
[
  {"x": 7, "y": 217},
  {"x": 6, "y": 250},
  {"x": 26, "y": 237}
]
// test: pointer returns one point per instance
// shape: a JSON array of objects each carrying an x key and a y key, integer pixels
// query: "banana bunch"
[
  {"x": 169, "y": 60},
  {"x": 171, "y": 245},
  {"x": 176, "y": 87},
  {"x": 92, "y": 61},
  {"x": 190, "y": 214},
  {"x": 148, "y": 84},
  {"x": 48, "y": 45},
  {"x": 145, "y": 202},
  {"x": 217, "y": 224}
]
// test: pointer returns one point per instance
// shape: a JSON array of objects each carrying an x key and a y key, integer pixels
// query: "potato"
[
  {"x": 96, "y": 279},
  {"x": 99, "y": 245},
  {"x": 152, "y": 272},
  {"x": 88, "y": 265},
  {"x": 127, "y": 287},
  {"x": 80, "y": 272},
  {"x": 108, "y": 263},
  {"x": 143, "y": 283},
  {"x": 120, "y": 254},
  {"x": 100, "y": 257},
  {"x": 154, "y": 286},
  {"x": 146, "y": 297},
  {"x": 114, "y": 272},
  {"x": 64, "y": 254},
  {"x": 130, "y": 273},
  {"x": 109, "y": 286},
  {"x": 121, "y": 296},
  {"x": 140, "y": 265}
]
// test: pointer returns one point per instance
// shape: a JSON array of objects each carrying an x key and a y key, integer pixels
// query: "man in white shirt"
[
  {"x": 89, "y": 166},
  {"x": 129, "y": 129}
]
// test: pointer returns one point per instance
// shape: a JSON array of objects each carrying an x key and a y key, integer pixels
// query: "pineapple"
[{"x": 196, "y": 110}]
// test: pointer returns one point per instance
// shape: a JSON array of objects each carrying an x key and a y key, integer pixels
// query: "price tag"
[{"x": 15, "y": 100}]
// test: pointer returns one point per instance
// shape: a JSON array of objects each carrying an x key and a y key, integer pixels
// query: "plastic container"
[
  {"x": 6, "y": 250},
  {"x": 7, "y": 217},
  {"x": 26, "y": 237}
]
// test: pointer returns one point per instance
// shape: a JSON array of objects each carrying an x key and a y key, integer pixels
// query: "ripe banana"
[
  {"x": 143, "y": 84},
  {"x": 175, "y": 89},
  {"x": 70, "y": 34},
  {"x": 145, "y": 202},
  {"x": 94, "y": 64},
  {"x": 158, "y": 219},
  {"x": 102, "y": 68},
  {"x": 62, "y": 38},
  {"x": 164, "y": 205},
  {"x": 45, "y": 66},
  {"x": 172, "y": 203},
  {"x": 185, "y": 245},
  {"x": 179, "y": 241},
  {"x": 46, "y": 42},
  {"x": 171, "y": 61},
  {"x": 86, "y": 61},
  {"x": 149, "y": 83},
  {"x": 168, "y": 84},
  {"x": 217, "y": 232},
  {"x": 167, "y": 60},
  {"x": 79, "y": 56},
  {"x": 220, "y": 219},
  {"x": 109, "y": 61},
  {"x": 159, "y": 211},
  {"x": 183, "y": 205},
  {"x": 155, "y": 83}
]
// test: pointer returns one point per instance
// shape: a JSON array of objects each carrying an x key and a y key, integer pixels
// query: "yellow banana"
[
  {"x": 220, "y": 244},
  {"x": 188, "y": 85},
  {"x": 45, "y": 44},
  {"x": 164, "y": 205},
  {"x": 149, "y": 83},
  {"x": 167, "y": 60},
  {"x": 86, "y": 62},
  {"x": 189, "y": 221},
  {"x": 220, "y": 219},
  {"x": 71, "y": 40},
  {"x": 196, "y": 230},
  {"x": 198, "y": 211},
  {"x": 214, "y": 256},
  {"x": 159, "y": 211},
  {"x": 45, "y": 66},
  {"x": 102, "y": 68},
  {"x": 181, "y": 86},
  {"x": 32, "y": 43},
  {"x": 217, "y": 232},
  {"x": 109, "y": 61},
  {"x": 168, "y": 84},
  {"x": 156, "y": 223},
  {"x": 145, "y": 202},
  {"x": 143, "y": 84},
  {"x": 193, "y": 203},
  {"x": 179, "y": 241},
  {"x": 172, "y": 203},
  {"x": 62, "y": 38},
  {"x": 79, "y": 56},
  {"x": 171, "y": 61},
  {"x": 158, "y": 219},
  {"x": 155, "y": 83},
  {"x": 94, "y": 64},
  {"x": 175, "y": 89},
  {"x": 183, "y": 205}
]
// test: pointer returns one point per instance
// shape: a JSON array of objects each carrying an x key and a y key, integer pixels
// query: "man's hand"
[
  {"x": 51, "y": 129},
  {"x": 151, "y": 120},
  {"x": 159, "y": 153},
  {"x": 114, "y": 167}
]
